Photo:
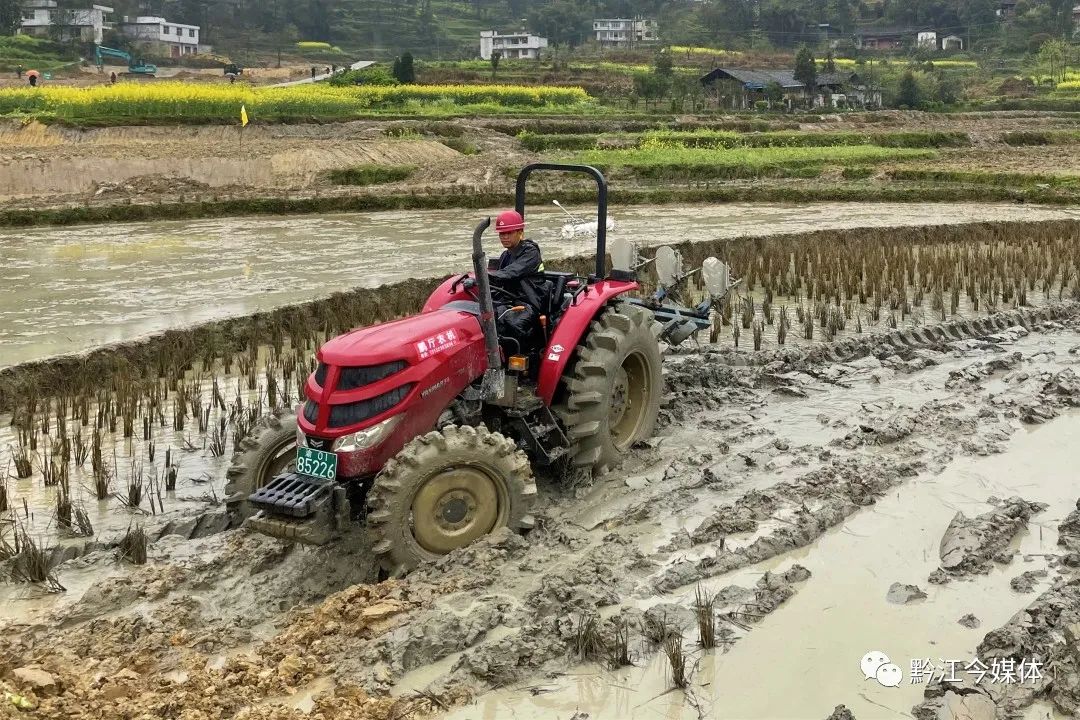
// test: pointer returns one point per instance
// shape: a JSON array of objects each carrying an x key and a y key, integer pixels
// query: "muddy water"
[
  {"x": 803, "y": 659},
  {"x": 65, "y": 290}
]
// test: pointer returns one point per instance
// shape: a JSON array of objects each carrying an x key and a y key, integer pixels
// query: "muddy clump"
[
  {"x": 972, "y": 545},
  {"x": 1039, "y": 644},
  {"x": 818, "y": 501},
  {"x": 1069, "y": 529},
  {"x": 1026, "y": 581},
  {"x": 900, "y": 594},
  {"x": 840, "y": 712}
]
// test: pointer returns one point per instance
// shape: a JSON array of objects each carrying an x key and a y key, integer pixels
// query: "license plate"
[{"x": 316, "y": 463}]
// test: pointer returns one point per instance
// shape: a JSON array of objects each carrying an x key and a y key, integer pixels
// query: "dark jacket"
[{"x": 518, "y": 273}]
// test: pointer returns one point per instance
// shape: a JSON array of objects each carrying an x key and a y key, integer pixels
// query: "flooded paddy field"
[
  {"x": 899, "y": 480},
  {"x": 65, "y": 290}
]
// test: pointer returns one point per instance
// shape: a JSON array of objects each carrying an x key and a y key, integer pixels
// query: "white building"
[
  {"x": 952, "y": 42},
  {"x": 927, "y": 39},
  {"x": 160, "y": 36},
  {"x": 624, "y": 32},
  {"x": 42, "y": 18},
  {"x": 515, "y": 46}
]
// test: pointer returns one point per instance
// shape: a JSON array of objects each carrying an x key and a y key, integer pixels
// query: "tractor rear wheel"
[
  {"x": 267, "y": 451},
  {"x": 612, "y": 389},
  {"x": 444, "y": 490}
]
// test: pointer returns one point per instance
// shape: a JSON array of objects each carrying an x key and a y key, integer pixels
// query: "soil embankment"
[{"x": 61, "y": 175}]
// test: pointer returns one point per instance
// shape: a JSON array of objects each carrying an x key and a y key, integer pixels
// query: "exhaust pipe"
[{"x": 494, "y": 383}]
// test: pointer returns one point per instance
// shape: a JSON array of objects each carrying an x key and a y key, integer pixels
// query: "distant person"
[
  {"x": 312, "y": 72},
  {"x": 19, "y": 71},
  {"x": 327, "y": 71},
  {"x": 232, "y": 79},
  {"x": 333, "y": 69},
  {"x": 112, "y": 77},
  {"x": 33, "y": 81}
]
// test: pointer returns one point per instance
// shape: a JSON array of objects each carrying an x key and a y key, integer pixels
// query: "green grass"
[
  {"x": 723, "y": 139},
  {"x": 857, "y": 172},
  {"x": 700, "y": 163},
  {"x": 975, "y": 177},
  {"x": 33, "y": 54},
  {"x": 462, "y": 145},
  {"x": 370, "y": 174}
]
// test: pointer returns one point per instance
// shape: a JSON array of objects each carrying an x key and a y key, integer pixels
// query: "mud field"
[
  {"x": 784, "y": 496},
  {"x": 874, "y": 454}
]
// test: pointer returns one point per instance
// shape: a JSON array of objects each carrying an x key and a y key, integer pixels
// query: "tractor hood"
[{"x": 411, "y": 339}]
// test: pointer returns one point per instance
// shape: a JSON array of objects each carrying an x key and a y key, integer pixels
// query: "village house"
[
  {"x": 884, "y": 38},
  {"x": 511, "y": 46},
  {"x": 741, "y": 89},
  {"x": 624, "y": 32},
  {"x": 43, "y": 18},
  {"x": 160, "y": 37}
]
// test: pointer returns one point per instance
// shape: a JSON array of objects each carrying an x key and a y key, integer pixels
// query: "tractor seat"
[{"x": 555, "y": 285}]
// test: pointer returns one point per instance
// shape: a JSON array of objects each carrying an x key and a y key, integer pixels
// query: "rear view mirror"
[{"x": 717, "y": 277}]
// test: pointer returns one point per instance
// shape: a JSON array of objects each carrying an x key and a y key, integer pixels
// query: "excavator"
[{"x": 135, "y": 67}]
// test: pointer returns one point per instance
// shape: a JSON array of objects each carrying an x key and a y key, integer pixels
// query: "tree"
[
  {"x": 663, "y": 64},
  {"x": 404, "y": 72},
  {"x": 806, "y": 69},
  {"x": 562, "y": 22},
  {"x": 774, "y": 93},
  {"x": 10, "y": 16},
  {"x": 495, "y": 57},
  {"x": 1052, "y": 56},
  {"x": 908, "y": 94}
]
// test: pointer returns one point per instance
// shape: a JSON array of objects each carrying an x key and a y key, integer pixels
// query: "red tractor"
[{"x": 424, "y": 428}]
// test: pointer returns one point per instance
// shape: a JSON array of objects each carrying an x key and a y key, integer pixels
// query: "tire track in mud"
[{"x": 720, "y": 490}]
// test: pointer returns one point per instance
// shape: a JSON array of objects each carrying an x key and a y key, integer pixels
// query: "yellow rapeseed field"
[{"x": 193, "y": 100}]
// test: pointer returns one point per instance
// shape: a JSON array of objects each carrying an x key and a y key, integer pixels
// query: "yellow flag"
[{"x": 243, "y": 116}]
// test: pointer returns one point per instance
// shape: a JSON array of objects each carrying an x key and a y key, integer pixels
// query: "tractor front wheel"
[
  {"x": 267, "y": 451},
  {"x": 612, "y": 389},
  {"x": 444, "y": 490}
]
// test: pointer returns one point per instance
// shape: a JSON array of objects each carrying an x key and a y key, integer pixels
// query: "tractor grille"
[
  {"x": 311, "y": 411},
  {"x": 350, "y": 378},
  {"x": 352, "y": 413}
]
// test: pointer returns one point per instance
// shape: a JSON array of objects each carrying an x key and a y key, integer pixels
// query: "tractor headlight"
[{"x": 365, "y": 439}]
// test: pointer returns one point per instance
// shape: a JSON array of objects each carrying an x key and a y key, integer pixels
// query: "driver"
[{"x": 518, "y": 276}]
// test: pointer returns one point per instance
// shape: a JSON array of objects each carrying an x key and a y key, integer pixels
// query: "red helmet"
[{"x": 509, "y": 221}]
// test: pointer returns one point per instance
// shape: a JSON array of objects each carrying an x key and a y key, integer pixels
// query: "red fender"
[
  {"x": 571, "y": 329},
  {"x": 568, "y": 333}
]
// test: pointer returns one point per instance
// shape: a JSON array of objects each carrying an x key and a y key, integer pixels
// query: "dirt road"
[{"x": 795, "y": 488}]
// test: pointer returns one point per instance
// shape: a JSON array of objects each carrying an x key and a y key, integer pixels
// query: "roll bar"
[{"x": 601, "y": 203}]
